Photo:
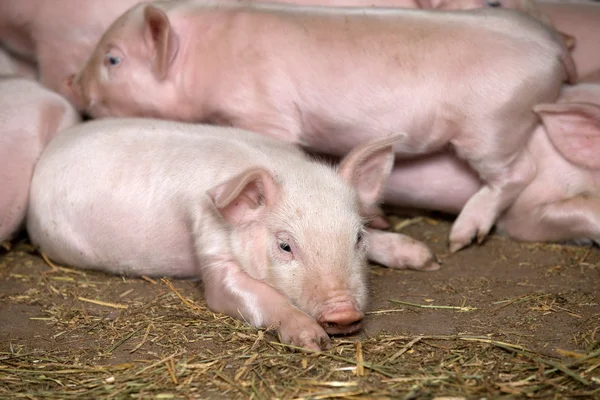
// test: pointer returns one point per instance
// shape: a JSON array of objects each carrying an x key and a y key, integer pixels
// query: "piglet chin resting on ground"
[
  {"x": 330, "y": 78},
  {"x": 277, "y": 239}
]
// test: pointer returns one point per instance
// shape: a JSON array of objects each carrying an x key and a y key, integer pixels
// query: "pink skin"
[
  {"x": 358, "y": 3},
  {"x": 593, "y": 77},
  {"x": 579, "y": 22},
  {"x": 13, "y": 66},
  {"x": 297, "y": 78},
  {"x": 58, "y": 35},
  {"x": 31, "y": 116},
  {"x": 562, "y": 202},
  {"x": 530, "y": 7},
  {"x": 582, "y": 21},
  {"x": 277, "y": 240}
]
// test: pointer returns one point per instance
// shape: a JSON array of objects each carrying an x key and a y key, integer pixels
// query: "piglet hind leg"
[
  {"x": 576, "y": 218},
  {"x": 230, "y": 290},
  {"x": 503, "y": 182},
  {"x": 395, "y": 250}
]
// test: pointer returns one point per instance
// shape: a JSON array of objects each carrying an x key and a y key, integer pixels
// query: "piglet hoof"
[
  {"x": 431, "y": 265},
  {"x": 457, "y": 244},
  {"x": 464, "y": 231},
  {"x": 395, "y": 250},
  {"x": 300, "y": 330}
]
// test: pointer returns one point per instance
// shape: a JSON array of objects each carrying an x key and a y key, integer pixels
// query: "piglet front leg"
[
  {"x": 230, "y": 290},
  {"x": 503, "y": 182},
  {"x": 395, "y": 250}
]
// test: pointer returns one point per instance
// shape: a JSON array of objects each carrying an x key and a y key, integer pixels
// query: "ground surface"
[{"x": 523, "y": 321}]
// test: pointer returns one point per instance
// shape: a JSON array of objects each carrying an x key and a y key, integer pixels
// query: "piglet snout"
[{"x": 341, "y": 321}]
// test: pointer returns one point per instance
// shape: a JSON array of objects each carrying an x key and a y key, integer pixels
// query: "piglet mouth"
[{"x": 341, "y": 321}]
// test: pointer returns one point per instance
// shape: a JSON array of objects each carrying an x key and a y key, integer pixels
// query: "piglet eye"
[
  {"x": 493, "y": 3},
  {"x": 112, "y": 60},
  {"x": 285, "y": 247}
]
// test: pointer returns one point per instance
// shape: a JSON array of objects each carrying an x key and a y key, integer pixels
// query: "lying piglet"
[
  {"x": 278, "y": 240},
  {"x": 562, "y": 203},
  {"x": 30, "y": 116},
  {"x": 330, "y": 78}
]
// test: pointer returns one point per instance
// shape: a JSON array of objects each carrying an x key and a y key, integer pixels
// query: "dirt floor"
[{"x": 500, "y": 320}]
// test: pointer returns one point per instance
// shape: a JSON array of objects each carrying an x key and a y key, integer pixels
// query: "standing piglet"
[
  {"x": 30, "y": 116},
  {"x": 330, "y": 78},
  {"x": 562, "y": 202},
  {"x": 278, "y": 240}
]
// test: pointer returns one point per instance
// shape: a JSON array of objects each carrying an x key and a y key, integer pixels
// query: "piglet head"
[
  {"x": 301, "y": 230},
  {"x": 127, "y": 73}
]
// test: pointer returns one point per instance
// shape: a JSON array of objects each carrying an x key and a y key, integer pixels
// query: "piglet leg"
[
  {"x": 577, "y": 217},
  {"x": 395, "y": 250},
  {"x": 230, "y": 290},
  {"x": 503, "y": 184}
]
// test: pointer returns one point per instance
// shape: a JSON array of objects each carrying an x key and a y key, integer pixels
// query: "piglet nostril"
[{"x": 342, "y": 321}]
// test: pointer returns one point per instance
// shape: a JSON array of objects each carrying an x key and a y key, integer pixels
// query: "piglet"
[
  {"x": 30, "y": 116},
  {"x": 561, "y": 203},
  {"x": 277, "y": 239},
  {"x": 331, "y": 78}
]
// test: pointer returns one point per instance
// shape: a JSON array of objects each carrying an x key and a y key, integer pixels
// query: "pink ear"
[
  {"x": 367, "y": 169},
  {"x": 161, "y": 38},
  {"x": 574, "y": 129},
  {"x": 245, "y": 197}
]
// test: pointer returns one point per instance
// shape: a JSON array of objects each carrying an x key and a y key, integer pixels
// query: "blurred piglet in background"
[
  {"x": 277, "y": 239},
  {"x": 30, "y": 115},
  {"x": 56, "y": 36}
]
